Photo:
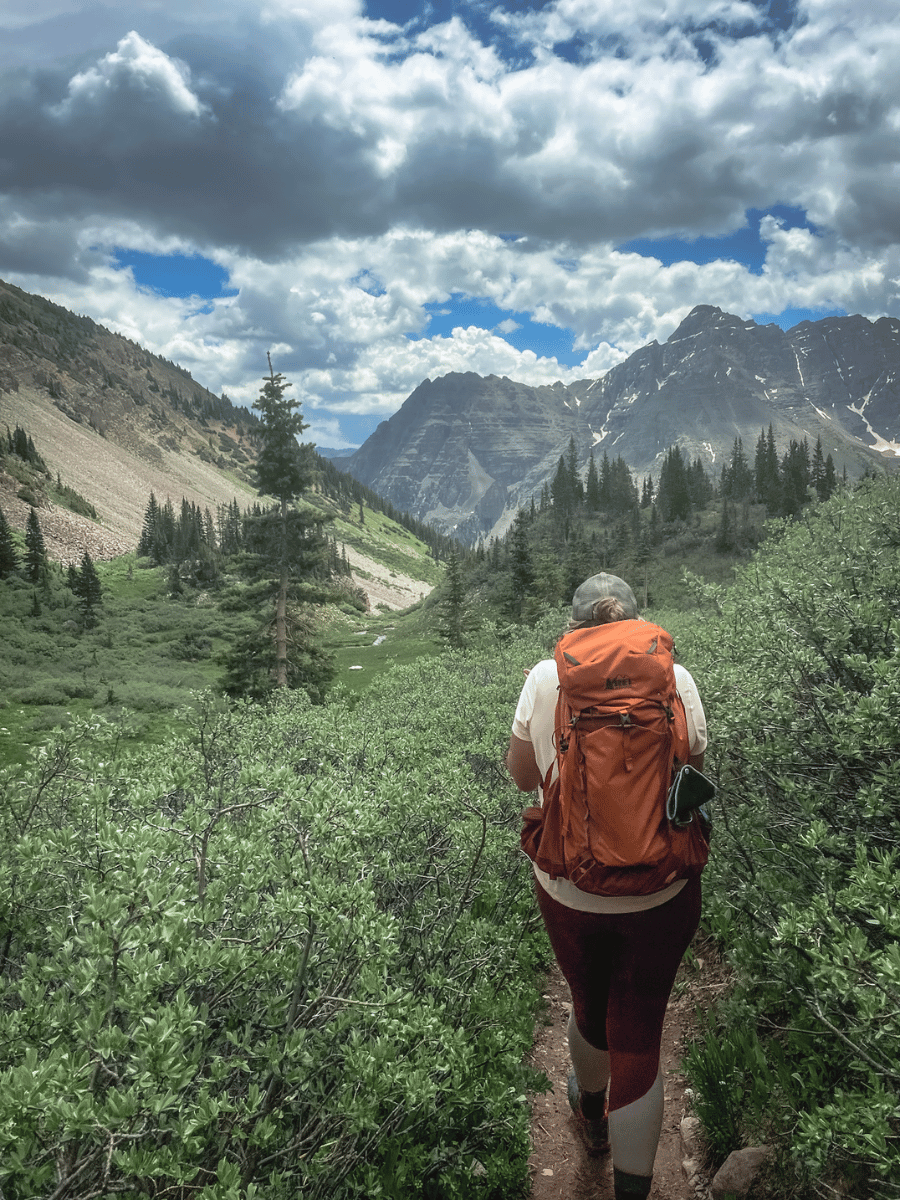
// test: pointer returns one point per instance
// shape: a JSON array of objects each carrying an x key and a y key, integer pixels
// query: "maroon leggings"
[{"x": 620, "y": 968}]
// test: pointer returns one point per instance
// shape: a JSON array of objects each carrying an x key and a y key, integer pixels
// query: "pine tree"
[
  {"x": 673, "y": 497},
  {"x": 737, "y": 480},
  {"x": 162, "y": 544},
  {"x": 453, "y": 623},
  {"x": 726, "y": 541},
  {"x": 817, "y": 472},
  {"x": 604, "y": 482},
  {"x": 579, "y": 560},
  {"x": 699, "y": 485},
  {"x": 35, "y": 550},
  {"x": 767, "y": 480},
  {"x": 90, "y": 592},
  {"x": 286, "y": 541},
  {"x": 623, "y": 495},
  {"x": 521, "y": 570},
  {"x": 575, "y": 484},
  {"x": 592, "y": 487},
  {"x": 643, "y": 556},
  {"x": 561, "y": 492},
  {"x": 830, "y": 477},
  {"x": 9, "y": 559},
  {"x": 795, "y": 477}
]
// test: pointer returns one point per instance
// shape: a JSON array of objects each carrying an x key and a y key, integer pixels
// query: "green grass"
[
  {"x": 151, "y": 651},
  {"x": 384, "y": 541},
  {"x": 366, "y": 644},
  {"x": 144, "y": 658}
]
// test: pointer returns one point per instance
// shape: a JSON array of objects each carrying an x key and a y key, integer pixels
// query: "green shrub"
[
  {"x": 47, "y": 692},
  {"x": 800, "y": 674},
  {"x": 291, "y": 952},
  {"x": 31, "y": 497}
]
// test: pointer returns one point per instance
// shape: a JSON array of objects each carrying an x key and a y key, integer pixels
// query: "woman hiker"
[{"x": 618, "y": 953}]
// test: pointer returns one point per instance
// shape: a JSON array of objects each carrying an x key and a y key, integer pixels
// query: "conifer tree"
[
  {"x": 737, "y": 480},
  {"x": 765, "y": 471},
  {"x": 699, "y": 485},
  {"x": 148, "y": 530},
  {"x": 9, "y": 559},
  {"x": 726, "y": 536},
  {"x": 288, "y": 542},
  {"x": 795, "y": 477},
  {"x": 830, "y": 478},
  {"x": 35, "y": 550},
  {"x": 90, "y": 592},
  {"x": 579, "y": 560},
  {"x": 454, "y": 624},
  {"x": 561, "y": 492},
  {"x": 673, "y": 497},
  {"x": 623, "y": 496},
  {"x": 604, "y": 482},
  {"x": 521, "y": 570},
  {"x": 575, "y": 484},
  {"x": 818, "y": 473},
  {"x": 592, "y": 487}
]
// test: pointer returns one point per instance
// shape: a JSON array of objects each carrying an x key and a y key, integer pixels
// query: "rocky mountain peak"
[{"x": 465, "y": 452}]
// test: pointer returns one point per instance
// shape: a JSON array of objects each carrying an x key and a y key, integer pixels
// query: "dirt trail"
[{"x": 560, "y": 1168}]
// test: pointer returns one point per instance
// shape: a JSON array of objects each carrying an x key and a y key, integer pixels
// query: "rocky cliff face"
[
  {"x": 460, "y": 448},
  {"x": 465, "y": 452}
]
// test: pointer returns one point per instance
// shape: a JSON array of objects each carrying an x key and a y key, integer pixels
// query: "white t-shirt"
[{"x": 534, "y": 722}]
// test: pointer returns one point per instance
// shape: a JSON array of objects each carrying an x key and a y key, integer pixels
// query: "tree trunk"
[{"x": 281, "y": 608}]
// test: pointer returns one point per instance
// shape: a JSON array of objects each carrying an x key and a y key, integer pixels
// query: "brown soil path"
[{"x": 560, "y": 1168}]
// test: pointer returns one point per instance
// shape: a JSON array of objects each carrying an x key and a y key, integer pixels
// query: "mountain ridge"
[{"x": 718, "y": 377}]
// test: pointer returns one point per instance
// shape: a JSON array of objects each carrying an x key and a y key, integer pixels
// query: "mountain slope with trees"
[{"x": 466, "y": 452}]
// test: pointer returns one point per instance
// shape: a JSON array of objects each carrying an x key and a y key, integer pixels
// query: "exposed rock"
[
  {"x": 694, "y": 1176},
  {"x": 739, "y": 1171},
  {"x": 465, "y": 452},
  {"x": 690, "y": 1136}
]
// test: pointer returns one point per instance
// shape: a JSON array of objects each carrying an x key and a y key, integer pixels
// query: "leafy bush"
[
  {"x": 291, "y": 952},
  {"x": 46, "y": 692},
  {"x": 800, "y": 674}
]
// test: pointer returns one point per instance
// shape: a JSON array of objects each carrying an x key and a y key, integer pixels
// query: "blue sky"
[{"x": 379, "y": 192}]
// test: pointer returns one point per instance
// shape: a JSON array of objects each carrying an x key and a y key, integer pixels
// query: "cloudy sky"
[{"x": 380, "y": 191}]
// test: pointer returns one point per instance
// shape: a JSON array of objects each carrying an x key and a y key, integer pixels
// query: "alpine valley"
[{"x": 464, "y": 452}]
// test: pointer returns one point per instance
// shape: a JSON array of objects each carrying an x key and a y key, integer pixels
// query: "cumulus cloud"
[
  {"x": 652, "y": 130},
  {"x": 135, "y": 68},
  {"x": 353, "y": 174}
]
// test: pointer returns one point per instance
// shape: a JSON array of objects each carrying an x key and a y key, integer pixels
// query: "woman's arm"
[{"x": 522, "y": 765}]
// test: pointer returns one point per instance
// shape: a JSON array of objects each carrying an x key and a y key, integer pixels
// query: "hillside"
[{"x": 117, "y": 423}]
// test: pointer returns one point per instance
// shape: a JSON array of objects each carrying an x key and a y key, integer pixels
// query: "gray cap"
[{"x": 597, "y": 588}]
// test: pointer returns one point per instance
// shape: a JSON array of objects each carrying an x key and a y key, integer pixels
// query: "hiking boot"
[{"x": 593, "y": 1129}]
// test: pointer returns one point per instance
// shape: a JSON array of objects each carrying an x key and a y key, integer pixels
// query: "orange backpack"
[{"x": 620, "y": 728}]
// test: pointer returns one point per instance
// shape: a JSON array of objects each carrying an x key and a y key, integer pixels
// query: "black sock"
[
  {"x": 593, "y": 1105},
  {"x": 627, "y": 1187}
]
